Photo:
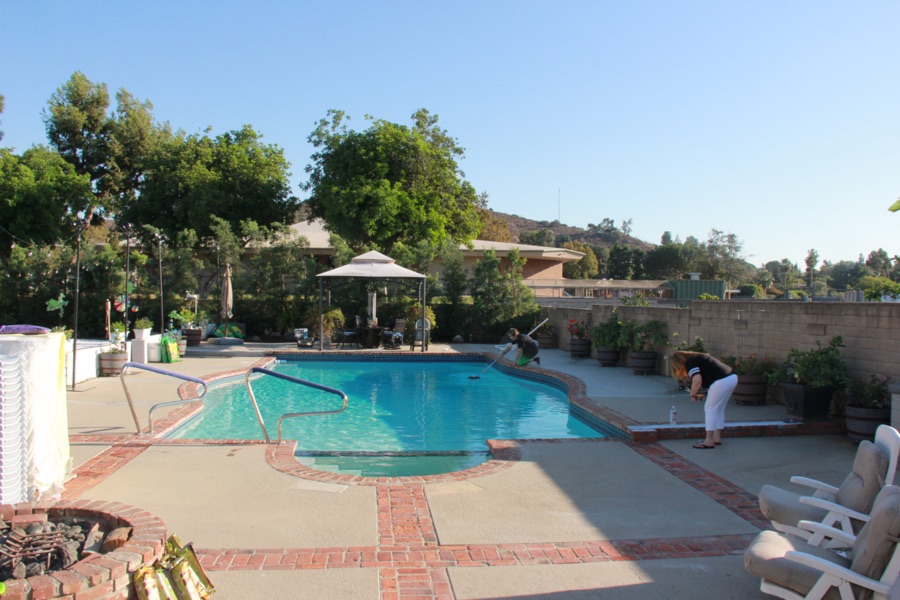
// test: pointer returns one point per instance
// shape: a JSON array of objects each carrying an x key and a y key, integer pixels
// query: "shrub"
[{"x": 609, "y": 334}]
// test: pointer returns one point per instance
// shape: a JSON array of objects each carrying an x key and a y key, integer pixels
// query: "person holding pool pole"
[{"x": 513, "y": 343}]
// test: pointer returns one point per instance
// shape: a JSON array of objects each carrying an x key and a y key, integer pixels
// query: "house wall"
[{"x": 871, "y": 330}]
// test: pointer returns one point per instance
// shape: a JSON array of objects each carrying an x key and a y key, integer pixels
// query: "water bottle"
[{"x": 673, "y": 416}]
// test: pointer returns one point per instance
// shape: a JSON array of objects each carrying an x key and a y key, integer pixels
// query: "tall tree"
[
  {"x": 107, "y": 147},
  {"x": 812, "y": 260},
  {"x": 2, "y": 106},
  {"x": 620, "y": 265},
  {"x": 40, "y": 193},
  {"x": 390, "y": 183},
  {"x": 235, "y": 176},
  {"x": 879, "y": 262},
  {"x": 584, "y": 268}
]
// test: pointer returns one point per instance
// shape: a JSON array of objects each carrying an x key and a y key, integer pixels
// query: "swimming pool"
[{"x": 409, "y": 417}]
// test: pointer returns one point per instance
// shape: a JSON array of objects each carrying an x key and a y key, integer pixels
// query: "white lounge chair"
[
  {"x": 792, "y": 568},
  {"x": 874, "y": 466}
]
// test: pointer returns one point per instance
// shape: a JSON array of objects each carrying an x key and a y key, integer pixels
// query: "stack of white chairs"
[{"x": 13, "y": 441}]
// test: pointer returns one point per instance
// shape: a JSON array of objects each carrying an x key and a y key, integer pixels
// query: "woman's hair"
[
  {"x": 678, "y": 360},
  {"x": 513, "y": 332}
]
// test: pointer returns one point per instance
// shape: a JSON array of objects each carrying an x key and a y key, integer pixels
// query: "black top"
[
  {"x": 710, "y": 369},
  {"x": 527, "y": 344}
]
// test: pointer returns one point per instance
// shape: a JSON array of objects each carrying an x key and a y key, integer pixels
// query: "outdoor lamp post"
[
  {"x": 126, "y": 228},
  {"x": 162, "y": 310},
  {"x": 80, "y": 226}
]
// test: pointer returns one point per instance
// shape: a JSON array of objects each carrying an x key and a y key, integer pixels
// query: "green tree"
[
  {"x": 584, "y": 268},
  {"x": 879, "y": 262},
  {"x": 191, "y": 179},
  {"x": 667, "y": 261},
  {"x": 812, "y": 260},
  {"x": 620, "y": 262},
  {"x": 2, "y": 106},
  {"x": 107, "y": 147},
  {"x": 390, "y": 183},
  {"x": 845, "y": 274},
  {"x": 40, "y": 193},
  {"x": 540, "y": 237}
]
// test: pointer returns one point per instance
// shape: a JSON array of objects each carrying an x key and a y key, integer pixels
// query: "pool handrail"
[
  {"x": 292, "y": 379},
  {"x": 158, "y": 371}
]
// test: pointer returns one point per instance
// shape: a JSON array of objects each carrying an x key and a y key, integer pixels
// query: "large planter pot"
[
  {"x": 606, "y": 356},
  {"x": 193, "y": 336},
  {"x": 579, "y": 348},
  {"x": 643, "y": 363},
  {"x": 863, "y": 421},
  {"x": 751, "y": 390},
  {"x": 806, "y": 403},
  {"x": 111, "y": 363},
  {"x": 546, "y": 340}
]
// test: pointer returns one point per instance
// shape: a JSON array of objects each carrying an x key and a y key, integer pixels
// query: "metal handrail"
[
  {"x": 317, "y": 386},
  {"x": 159, "y": 371}
]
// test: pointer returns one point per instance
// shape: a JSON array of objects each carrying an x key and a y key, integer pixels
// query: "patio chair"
[
  {"x": 351, "y": 336},
  {"x": 393, "y": 338},
  {"x": 792, "y": 568},
  {"x": 874, "y": 466},
  {"x": 422, "y": 334}
]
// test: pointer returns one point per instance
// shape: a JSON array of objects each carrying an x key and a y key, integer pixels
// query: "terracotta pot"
[
  {"x": 751, "y": 390},
  {"x": 579, "y": 348},
  {"x": 607, "y": 357}
]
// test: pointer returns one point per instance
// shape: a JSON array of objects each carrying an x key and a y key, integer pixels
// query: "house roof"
[{"x": 315, "y": 233}]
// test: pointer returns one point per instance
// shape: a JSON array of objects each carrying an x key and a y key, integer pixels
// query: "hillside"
[{"x": 518, "y": 225}]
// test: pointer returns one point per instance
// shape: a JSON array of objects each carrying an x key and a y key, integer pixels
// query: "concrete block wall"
[{"x": 871, "y": 330}]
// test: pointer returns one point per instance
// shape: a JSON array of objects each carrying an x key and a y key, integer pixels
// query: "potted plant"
[
  {"x": 643, "y": 340},
  {"x": 753, "y": 378},
  {"x": 113, "y": 359},
  {"x": 609, "y": 340},
  {"x": 142, "y": 328},
  {"x": 809, "y": 379},
  {"x": 867, "y": 405},
  {"x": 579, "y": 345}
]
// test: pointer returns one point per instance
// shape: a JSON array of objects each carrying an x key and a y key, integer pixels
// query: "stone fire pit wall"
[{"x": 107, "y": 576}]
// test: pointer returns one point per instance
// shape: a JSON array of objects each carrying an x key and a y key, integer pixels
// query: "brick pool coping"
[{"x": 410, "y": 560}]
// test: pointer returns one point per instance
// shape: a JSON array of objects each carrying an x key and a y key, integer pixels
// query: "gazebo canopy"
[{"x": 372, "y": 265}]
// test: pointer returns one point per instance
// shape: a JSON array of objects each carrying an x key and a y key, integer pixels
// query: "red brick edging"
[{"x": 99, "y": 577}]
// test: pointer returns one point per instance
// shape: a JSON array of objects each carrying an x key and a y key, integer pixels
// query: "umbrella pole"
[{"x": 321, "y": 319}]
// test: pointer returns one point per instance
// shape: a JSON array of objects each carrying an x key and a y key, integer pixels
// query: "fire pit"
[{"x": 64, "y": 549}]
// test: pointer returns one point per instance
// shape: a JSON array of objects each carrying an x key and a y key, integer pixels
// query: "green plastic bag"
[{"x": 168, "y": 348}]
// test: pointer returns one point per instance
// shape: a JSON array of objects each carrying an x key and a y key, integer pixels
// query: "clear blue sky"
[{"x": 778, "y": 121}]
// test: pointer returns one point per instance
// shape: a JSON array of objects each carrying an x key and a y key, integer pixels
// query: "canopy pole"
[
  {"x": 321, "y": 320},
  {"x": 424, "y": 322}
]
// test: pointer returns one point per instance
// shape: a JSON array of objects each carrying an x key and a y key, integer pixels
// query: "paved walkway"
[{"x": 569, "y": 519}]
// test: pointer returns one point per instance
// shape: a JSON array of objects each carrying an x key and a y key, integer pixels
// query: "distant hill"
[{"x": 518, "y": 225}]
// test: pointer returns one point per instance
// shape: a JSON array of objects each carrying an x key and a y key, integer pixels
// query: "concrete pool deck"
[{"x": 572, "y": 519}]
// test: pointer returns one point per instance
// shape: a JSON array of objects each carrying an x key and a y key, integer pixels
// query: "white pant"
[{"x": 716, "y": 400}]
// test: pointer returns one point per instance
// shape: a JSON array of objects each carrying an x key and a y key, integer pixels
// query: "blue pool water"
[{"x": 402, "y": 418}]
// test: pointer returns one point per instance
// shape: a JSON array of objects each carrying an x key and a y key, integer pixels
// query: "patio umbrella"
[{"x": 227, "y": 298}]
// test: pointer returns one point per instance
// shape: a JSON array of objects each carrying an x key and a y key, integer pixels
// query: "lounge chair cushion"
[
  {"x": 857, "y": 492},
  {"x": 765, "y": 558},
  {"x": 876, "y": 541},
  {"x": 865, "y": 480}
]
